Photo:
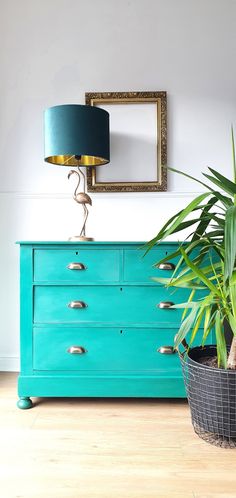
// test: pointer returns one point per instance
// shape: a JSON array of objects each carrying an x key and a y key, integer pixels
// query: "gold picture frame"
[{"x": 152, "y": 116}]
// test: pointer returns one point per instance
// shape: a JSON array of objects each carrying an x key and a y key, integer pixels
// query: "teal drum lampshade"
[{"x": 76, "y": 135}]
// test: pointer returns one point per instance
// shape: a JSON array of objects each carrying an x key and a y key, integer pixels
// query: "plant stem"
[{"x": 231, "y": 363}]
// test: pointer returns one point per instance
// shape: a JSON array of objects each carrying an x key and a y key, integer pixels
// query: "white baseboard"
[{"x": 9, "y": 364}]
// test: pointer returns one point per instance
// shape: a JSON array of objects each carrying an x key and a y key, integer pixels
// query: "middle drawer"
[{"x": 127, "y": 304}]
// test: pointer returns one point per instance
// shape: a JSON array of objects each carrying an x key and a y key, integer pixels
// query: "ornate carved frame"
[{"x": 160, "y": 98}]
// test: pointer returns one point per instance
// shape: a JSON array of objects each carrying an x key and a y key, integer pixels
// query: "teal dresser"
[{"x": 93, "y": 323}]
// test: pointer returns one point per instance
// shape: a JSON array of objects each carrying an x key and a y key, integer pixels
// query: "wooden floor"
[{"x": 103, "y": 448}]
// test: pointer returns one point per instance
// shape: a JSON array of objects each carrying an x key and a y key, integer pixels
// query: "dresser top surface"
[{"x": 89, "y": 243}]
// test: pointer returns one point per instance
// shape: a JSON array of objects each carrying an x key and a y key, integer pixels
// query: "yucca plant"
[{"x": 207, "y": 262}]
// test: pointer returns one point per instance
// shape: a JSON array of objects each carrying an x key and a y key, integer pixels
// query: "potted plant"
[{"x": 207, "y": 261}]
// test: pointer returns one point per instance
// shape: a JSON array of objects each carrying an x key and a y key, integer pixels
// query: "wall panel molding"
[{"x": 121, "y": 195}]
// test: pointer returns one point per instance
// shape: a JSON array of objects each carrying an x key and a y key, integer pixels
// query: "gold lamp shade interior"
[{"x": 68, "y": 160}]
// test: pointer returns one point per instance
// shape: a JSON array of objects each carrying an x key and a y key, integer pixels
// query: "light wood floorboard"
[{"x": 104, "y": 448}]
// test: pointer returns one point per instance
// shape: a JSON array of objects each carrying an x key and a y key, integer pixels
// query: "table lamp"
[{"x": 77, "y": 135}]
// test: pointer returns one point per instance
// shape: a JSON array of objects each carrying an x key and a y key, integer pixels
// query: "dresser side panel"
[{"x": 26, "y": 309}]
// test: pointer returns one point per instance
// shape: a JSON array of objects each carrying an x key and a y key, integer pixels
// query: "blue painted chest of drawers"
[{"x": 93, "y": 323}]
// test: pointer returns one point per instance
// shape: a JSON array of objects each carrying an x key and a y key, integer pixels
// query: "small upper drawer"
[
  {"x": 76, "y": 265},
  {"x": 140, "y": 268}
]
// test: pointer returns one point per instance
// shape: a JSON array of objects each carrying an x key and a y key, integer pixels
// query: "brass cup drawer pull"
[
  {"x": 164, "y": 305},
  {"x": 166, "y": 350},
  {"x": 77, "y": 305},
  {"x": 76, "y": 350},
  {"x": 76, "y": 266},
  {"x": 166, "y": 266}
]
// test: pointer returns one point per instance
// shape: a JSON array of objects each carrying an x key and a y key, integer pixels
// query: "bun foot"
[{"x": 24, "y": 403}]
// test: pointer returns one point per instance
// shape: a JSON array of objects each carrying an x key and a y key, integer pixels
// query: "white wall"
[{"x": 52, "y": 52}]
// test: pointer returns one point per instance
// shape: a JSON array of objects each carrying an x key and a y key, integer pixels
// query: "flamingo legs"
[{"x": 86, "y": 212}]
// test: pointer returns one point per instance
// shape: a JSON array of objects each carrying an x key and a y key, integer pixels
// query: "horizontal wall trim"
[
  {"x": 61, "y": 196},
  {"x": 9, "y": 363}
]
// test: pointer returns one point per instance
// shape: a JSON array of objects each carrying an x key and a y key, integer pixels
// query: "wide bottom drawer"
[{"x": 59, "y": 348}]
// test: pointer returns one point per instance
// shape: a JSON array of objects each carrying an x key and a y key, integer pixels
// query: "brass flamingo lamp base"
[{"x": 83, "y": 199}]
